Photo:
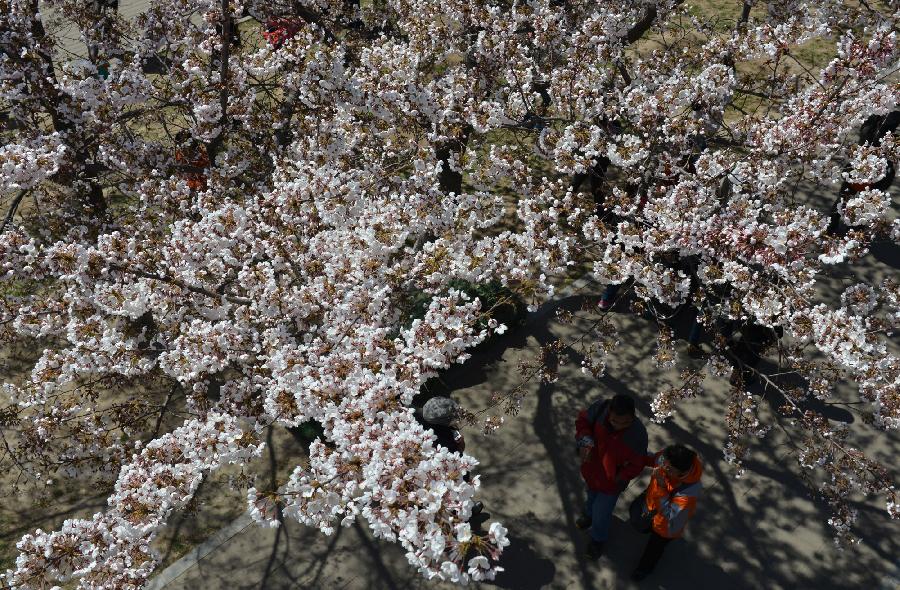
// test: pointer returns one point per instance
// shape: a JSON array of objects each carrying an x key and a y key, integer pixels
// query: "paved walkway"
[
  {"x": 71, "y": 37},
  {"x": 760, "y": 531}
]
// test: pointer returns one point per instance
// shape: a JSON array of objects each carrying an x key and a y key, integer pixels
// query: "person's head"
[
  {"x": 679, "y": 460},
  {"x": 621, "y": 412},
  {"x": 439, "y": 410}
]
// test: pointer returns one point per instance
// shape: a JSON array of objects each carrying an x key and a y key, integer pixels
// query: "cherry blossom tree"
[{"x": 241, "y": 200}]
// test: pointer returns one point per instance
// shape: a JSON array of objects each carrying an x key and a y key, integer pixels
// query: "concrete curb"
[{"x": 219, "y": 538}]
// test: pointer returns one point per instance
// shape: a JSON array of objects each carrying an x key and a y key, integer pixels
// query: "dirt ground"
[{"x": 25, "y": 506}]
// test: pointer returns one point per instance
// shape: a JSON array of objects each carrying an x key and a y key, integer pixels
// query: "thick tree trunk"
[
  {"x": 97, "y": 203},
  {"x": 449, "y": 180},
  {"x": 284, "y": 135},
  {"x": 227, "y": 34}
]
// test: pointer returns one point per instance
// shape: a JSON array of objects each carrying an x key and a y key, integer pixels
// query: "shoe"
[
  {"x": 583, "y": 523},
  {"x": 604, "y": 304},
  {"x": 639, "y": 574},
  {"x": 595, "y": 549}
]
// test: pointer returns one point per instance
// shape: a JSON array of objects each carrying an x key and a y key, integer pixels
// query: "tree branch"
[
  {"x": 643, "y": 25},
  {"x": 179, "y": 283},
  {"x": 12, "y": 209},
  {"x": 227, "y": 26}
]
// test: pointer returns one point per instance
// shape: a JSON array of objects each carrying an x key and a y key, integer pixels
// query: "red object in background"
[
  {"x": 279, "y": 30},
  {"x": 195, "y": 180}
]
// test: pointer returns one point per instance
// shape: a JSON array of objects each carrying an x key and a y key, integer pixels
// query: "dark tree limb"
[
  {"x": 227, "y": 26},
  {"x": 643, "y": 25},
  {"x": 745, "y": 12},
  {"x": 624, "y": 73},
  {"x": 12, "y": 209},
  {"x": 449, "y": 180},
  {"x": 285, "y": 134},
  {"x": 178, "y": 283}
]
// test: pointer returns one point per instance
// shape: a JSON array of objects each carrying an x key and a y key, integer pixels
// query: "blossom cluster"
[{"x": 251, "y": 218}]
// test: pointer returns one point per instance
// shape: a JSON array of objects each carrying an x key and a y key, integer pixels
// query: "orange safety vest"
[{"x": 673, "y": 500}]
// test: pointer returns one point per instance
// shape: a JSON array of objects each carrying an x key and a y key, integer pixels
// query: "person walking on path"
[
  {"x": 439, "y": 415},
  {"x": 670, "y": 499},
  {"x": 612, "y": 444}
]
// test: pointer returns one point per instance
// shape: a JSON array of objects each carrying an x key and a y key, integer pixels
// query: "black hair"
[
  {"x": 680, "y": 457},
  {"x": 622, "y": 405}
]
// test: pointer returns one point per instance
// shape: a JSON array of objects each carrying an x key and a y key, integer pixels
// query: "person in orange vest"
[{"x": 671, "y": 499}]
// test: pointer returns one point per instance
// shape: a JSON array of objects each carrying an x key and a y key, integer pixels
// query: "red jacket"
[{"x": 617, "y": 456}]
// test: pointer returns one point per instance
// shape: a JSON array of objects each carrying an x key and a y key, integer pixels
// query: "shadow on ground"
[{"x": 759, "y": 531}]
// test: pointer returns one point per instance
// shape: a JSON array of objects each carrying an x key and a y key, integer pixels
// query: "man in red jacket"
[{"x": 612, "y": 443}]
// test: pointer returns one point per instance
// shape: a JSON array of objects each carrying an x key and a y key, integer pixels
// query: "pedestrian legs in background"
[
  {"x": 652, "y": 552},
  {"x": 693, "y": 339},
  {"x": 608, "y": 297}
]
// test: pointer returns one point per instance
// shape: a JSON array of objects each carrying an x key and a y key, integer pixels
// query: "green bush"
[{"x": 504, "y": 304}]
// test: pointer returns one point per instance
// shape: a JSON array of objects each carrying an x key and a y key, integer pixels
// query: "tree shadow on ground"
[
  {"x": 524, "y": 568},
  {"x": 476, "y": 370},
  {"x": 887, "y": 253},
  {"x": 741, "y": 536},
  {"x": 39, "y": 517},
  {"x": 750, "y": 538},
  {"x": 568, "y": 477},
  {"x": 725, "y": 532},
  {"x": 623, "y": 550},
  {"x": 680, "y": 567}
]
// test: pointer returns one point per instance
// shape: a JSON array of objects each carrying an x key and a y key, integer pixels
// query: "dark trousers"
[{"x": 652, "y": 552}]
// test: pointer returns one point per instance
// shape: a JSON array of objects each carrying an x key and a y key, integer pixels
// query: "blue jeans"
[
  {"x": 696, "y": 330},
  {"x": 610, "y": 293},
  {"x": 599, "y": 508}
]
